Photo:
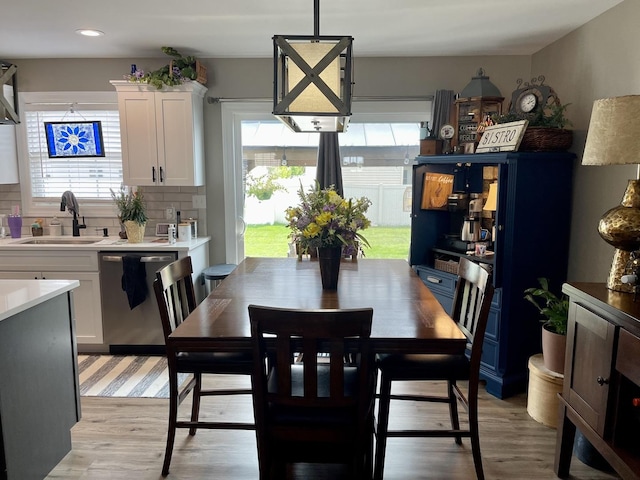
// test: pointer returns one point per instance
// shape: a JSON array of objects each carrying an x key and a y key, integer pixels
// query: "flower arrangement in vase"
[{"x": 326, "y": 221}]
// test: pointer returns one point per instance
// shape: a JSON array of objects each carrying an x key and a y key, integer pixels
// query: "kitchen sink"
[{"x": 57, "y": 241}]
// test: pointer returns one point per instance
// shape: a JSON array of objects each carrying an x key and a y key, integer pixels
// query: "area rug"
[{"x": 124, "y": 376}]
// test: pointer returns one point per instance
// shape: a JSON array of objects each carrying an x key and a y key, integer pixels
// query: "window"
[
  {"x": 377, "y": 155},
  {"x": 45, "y": 179}
]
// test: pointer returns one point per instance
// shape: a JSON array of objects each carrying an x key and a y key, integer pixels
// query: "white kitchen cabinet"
[
  {"x": 86, "y": 298},
  {"x": 161, "y": 134},
  {"x": 8, "y": 154}
]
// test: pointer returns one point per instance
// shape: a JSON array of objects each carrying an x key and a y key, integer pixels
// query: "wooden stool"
[
  {"x": 217, "y": 273},
  {"x": 542, "y": 398}
]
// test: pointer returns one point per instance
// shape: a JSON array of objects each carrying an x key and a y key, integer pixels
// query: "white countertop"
[
  {"x": 100, "y": 244},
  {"x": 19, "y": 295}
]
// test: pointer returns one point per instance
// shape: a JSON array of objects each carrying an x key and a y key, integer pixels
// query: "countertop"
[
  {"x": 99, "y": 244},
  {"x": 19, "y": 295}
]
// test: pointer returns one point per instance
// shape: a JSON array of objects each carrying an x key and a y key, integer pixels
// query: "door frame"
[{"x": 233, "y": 113}]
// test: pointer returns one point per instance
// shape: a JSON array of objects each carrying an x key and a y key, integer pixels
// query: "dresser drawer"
[
  {"x": 628, "y": 356},
  {"x": 438, "y": 280}
]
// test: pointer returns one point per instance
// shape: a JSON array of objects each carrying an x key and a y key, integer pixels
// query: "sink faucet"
[{"x": 70, "y": 203}]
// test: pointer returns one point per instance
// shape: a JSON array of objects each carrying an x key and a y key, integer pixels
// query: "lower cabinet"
[
  {"x": 82, "y": 266},
  {"x": 601, "y": 391},
  {"x": 443, "y": 286}
]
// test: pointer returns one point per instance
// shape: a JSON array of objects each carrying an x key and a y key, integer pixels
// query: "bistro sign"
[{"x": 505, "y": 137}]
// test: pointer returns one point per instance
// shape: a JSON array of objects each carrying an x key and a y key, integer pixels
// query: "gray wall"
[
  {"x": 252, "y": 78},
  {"x": 595, "y": 61}
]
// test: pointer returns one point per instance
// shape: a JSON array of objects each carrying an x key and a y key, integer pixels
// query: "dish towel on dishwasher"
[{"x": 134, "y": 280}]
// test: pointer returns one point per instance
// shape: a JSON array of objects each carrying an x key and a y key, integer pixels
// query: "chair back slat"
[
  {"x": 175, "y": 294},
  {"x": 471, "y": 304},
  {"x": 309, "y": 333}
]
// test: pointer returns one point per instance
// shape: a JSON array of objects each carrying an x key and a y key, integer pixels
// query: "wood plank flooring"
[{"x": 124, "y": 438}]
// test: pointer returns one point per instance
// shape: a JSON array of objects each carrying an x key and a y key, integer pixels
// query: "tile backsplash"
[{"x": 158, "y": 199}]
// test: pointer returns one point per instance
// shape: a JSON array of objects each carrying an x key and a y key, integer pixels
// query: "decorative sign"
[
  {"x": 74, "y": 139},
  {"x": 505, "y": 137},
  {"x": 436, "y": 190}
]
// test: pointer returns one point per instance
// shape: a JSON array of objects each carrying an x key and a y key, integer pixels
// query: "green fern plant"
[
  {"x": 131, "y": 205},
  {"x": 551, "y": 117},
  {"x": 554, "y": 309}
]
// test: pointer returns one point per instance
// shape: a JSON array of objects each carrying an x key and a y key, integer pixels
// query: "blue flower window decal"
[{"x": 74, "y": 139}]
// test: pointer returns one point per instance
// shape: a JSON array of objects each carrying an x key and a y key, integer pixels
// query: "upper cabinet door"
[
  {"x": 162, "y": 134},
  {"x": 138, "y": 136}
]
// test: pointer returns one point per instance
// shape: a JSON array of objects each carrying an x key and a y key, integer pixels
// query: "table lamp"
[
  {"x": 614, "y": 139},
  {"x": 491, "y": 205}
]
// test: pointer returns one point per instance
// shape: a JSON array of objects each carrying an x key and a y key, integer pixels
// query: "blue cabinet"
[{"x": 532, "y": 240}]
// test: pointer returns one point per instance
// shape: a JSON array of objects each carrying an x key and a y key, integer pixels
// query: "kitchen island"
[
  {"x": 39, "y": 391},
  {"x": 78, "y": 258}
]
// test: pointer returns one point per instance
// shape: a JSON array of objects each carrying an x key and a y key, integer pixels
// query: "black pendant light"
[{"x": 312, "y": 80}]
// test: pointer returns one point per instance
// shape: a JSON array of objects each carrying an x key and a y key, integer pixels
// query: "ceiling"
[{"x": 243, "y": 28}]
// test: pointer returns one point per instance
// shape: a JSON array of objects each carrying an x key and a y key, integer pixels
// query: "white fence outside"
[{"x": 390, "y": 204}]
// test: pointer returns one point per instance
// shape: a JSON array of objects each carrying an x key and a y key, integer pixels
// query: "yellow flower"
[
  {"x": 291, "y": 213},
  {"x": 323, "y": 218},
  {"x": 334, "y": 198},
  {"x": 312, "y": 230}
]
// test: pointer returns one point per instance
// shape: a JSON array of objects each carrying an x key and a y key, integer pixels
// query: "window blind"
[{"x": 89, "y": 178}]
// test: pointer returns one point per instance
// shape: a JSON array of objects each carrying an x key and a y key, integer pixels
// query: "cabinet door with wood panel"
[{"x": 590, "y": 344}]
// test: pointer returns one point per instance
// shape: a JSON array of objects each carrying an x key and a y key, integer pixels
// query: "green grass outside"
[{"x": 272, "y": 241}]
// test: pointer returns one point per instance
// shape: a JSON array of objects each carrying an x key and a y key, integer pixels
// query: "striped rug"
[{"x": 124, "y": 376}]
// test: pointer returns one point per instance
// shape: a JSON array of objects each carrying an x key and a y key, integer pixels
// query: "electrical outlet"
[
  {"x": 169, "y": 213},
  {"x": 199, "y": 201}
]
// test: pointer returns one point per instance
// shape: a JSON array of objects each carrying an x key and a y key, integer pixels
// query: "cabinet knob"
[
  {"x": 434, "y": 279},
  {"x": 602, "y": 381}
]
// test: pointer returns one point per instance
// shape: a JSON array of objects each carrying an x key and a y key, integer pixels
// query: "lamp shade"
[
  {"x": 312, "y": 82},
  {"x": 491, "y": 204},
  {"x": 614, "y": 132}
]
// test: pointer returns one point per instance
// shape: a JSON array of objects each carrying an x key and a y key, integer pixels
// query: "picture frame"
[
  {"x": 74, "y": 139},
  {"x": 436, "y": 189}
]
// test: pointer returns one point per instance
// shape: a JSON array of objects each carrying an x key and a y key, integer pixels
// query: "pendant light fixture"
[{"x": 312, "y": 80}]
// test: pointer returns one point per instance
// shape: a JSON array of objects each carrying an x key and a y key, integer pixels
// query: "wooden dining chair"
[
  {"x": 471, "y": 303},
  {"x": 310, "y": 408},
  {"x": 176, "y": 300}
]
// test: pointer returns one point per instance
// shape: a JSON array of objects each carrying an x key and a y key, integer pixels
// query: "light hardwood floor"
[{"x": 120, "y": 439}]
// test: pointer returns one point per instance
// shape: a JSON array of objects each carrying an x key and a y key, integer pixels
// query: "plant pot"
[
  {"x": 329, "y": 261},
  {"x": 135, "y": 231},
  {"x": 553, "y": 348}
]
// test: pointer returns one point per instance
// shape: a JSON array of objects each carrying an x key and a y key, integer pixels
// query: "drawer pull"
[
  {"x": 602, "y": 381},
  {"x": 431, "y": 279}
]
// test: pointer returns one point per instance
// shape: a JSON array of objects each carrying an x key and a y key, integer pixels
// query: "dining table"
[{"x": 407, "y": 318}]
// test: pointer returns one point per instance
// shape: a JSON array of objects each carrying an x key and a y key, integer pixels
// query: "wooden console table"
[{"x": 602, "y": 378}]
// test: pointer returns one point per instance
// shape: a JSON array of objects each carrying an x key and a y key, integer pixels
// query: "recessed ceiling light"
[{"x": 89, "y": 33}]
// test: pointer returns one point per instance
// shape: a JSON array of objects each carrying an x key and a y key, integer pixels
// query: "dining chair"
[
  {"x": 471, "y": 302},
  {"x": 176, "y": 300},
  {"x": 310, "y": 408}
]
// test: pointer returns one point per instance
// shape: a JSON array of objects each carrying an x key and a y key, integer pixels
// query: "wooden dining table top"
[{"x": 406, "y": 316}]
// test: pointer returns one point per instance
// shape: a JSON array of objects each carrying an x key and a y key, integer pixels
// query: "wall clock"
[
  {"x": 531, "y": 97},
  {"x": 447, "y": 132}
]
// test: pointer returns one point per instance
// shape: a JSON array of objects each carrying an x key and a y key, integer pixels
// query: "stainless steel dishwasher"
[{"x": 126, "y": 330}]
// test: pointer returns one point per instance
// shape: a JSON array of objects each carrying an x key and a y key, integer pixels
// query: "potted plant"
[
  {"x": 331, "y": 224},
  {"x": 546, "y": 130},
  {"x": 179, "y": 70},
  {"x": 131, "y": 212},
  {"x": 263, "y": 186},
  {"x": 555, "y": 311}
]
